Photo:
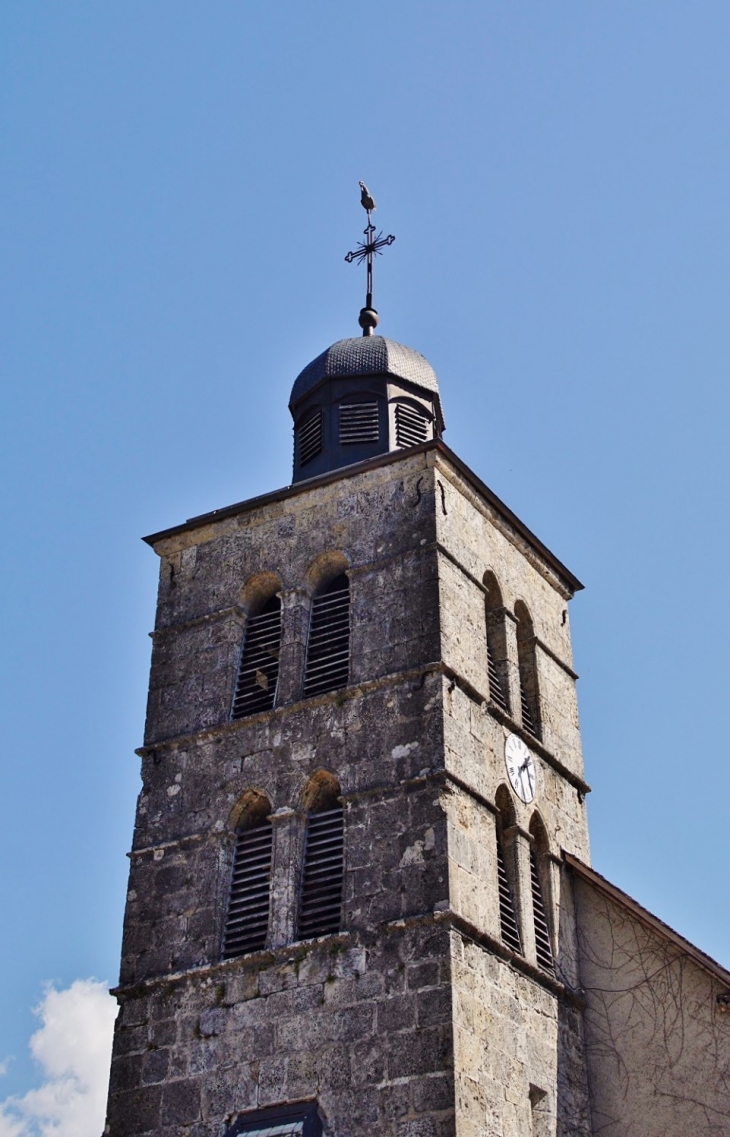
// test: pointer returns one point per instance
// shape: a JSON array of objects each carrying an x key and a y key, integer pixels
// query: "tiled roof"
[{"x": 366, "y": 355}]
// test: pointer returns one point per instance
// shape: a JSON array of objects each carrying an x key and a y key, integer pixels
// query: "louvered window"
[
  {"x": 247, "y": 920},
  {"x": 359, "y": 422},
  {"x": 328, "y": 649},
  {"x": 528, "y": 712},
  {"x": 258, "y": 671},
  {"x": 527, "y": 720},
  {"x": 529, "y": 689},
  {"x": 507, "y": 914},
  {"x": 411, "y": 425},
  {"x": 310, "y": 438},
  {"x": 321, "y": 896},
  {"x": 496, "y": 690},
  {"x": 542, "y": 932},
  {"x": 300, "y": 1120}
]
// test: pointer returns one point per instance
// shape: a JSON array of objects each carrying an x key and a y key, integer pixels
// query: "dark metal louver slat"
[
  {"x": 310, "y": 438},
  {"x": 258, "y": 672},
  {"x": 359, "y": 423},
  {"x": 411, "y": 426},
  {"x": 543, "y": 947},
  {"x": 507, "y": 916},
  {"x": 496, "y": 690},
  {"x": 247, "y": 919},
  {"x": 328, "y": 649},
  {"x": 321, "y": 895}
]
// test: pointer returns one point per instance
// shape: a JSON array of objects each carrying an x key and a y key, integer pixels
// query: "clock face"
[{"x": 520, "y": 768}]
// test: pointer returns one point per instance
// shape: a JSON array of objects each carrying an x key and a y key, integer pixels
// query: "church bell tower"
[{"x": 348, "y": 912}]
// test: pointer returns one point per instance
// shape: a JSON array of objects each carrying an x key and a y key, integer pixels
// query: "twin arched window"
[
  {"x": 327, "y": 666},
  {"x": 498, "y": 656},
  {"x": 319, "y": 906}
]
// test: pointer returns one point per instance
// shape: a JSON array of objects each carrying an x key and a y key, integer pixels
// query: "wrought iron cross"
[{"x": 366, "y": 251}]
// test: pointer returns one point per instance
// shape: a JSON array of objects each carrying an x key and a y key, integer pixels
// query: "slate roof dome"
[{"x": 367, "y": 355}]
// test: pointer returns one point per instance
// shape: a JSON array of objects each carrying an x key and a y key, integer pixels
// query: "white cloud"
[{"x": 73, "y": 1048}]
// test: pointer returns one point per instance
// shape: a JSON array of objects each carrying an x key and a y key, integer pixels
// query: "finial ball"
[{"x": 368, "y": 320}]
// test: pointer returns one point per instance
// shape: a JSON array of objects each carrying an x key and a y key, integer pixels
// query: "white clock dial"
[{"x": 520, "y": 768}]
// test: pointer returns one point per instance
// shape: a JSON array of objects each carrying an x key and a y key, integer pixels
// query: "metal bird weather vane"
[{"x": 366, "y": 251}]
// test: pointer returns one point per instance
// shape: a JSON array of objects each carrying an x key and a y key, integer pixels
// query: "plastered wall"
[{"x": 657, "y": 1043}]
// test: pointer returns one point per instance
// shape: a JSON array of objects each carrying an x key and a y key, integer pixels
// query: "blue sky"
[{"x": 179, "y": 185}]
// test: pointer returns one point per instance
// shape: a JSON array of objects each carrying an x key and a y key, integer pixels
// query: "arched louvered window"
[
  {"x": 529, "y": 694},
  {"x": 310, "y": 438},
  {"x": 412, "y": 425},
  {"x": 258, "y": 671},
  {"x": 320, "y": 900},
  {"x": 247, "y": 918},
  {"x": 328, "y": 647},
  {"x": 496, "y": 643},
  {"x": 508, "y": 921},
  {"x": 538, "y": 847}
]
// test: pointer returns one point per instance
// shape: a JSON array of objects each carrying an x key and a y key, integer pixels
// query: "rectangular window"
[
  {"x": 359, "y": 423},
  {"x": 310, "y": 438},
  {"x": 300, "y": 1120},
  {"x": 411, "y": 426}
]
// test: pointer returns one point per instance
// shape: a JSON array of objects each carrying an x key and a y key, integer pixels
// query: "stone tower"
[{"x": 348, "y": 911}]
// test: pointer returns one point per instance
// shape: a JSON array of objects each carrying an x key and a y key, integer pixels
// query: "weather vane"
[{"x": 366, "y": 250}]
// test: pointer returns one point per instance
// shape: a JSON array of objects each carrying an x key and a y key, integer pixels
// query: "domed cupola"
[
  {"x": 359, "y": 398},
  {"x": 365, "y": 396}
]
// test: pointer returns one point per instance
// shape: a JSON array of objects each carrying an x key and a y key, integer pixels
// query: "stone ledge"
[
  {"x": 343, "y": 695},
  {"x": 270, "y": 957},
  {"x": 496, "y": 947}
]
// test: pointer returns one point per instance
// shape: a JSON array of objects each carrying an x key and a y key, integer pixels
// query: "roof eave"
[{"x": 647, "y": 918}]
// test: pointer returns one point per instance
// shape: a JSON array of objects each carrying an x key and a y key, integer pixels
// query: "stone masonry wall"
[
  {"x": 518, "y": 1056},
  {"x": 362, "y": 1021},
  {"x": 395, "y": 854},
  {"x": 518, "y": 1042},
  {"x": 363, "y": 1027},
  {"x": 380, "y": 523},
  {"x": 474, "y": 539},
  {"x": 359, "y": 1021}
]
